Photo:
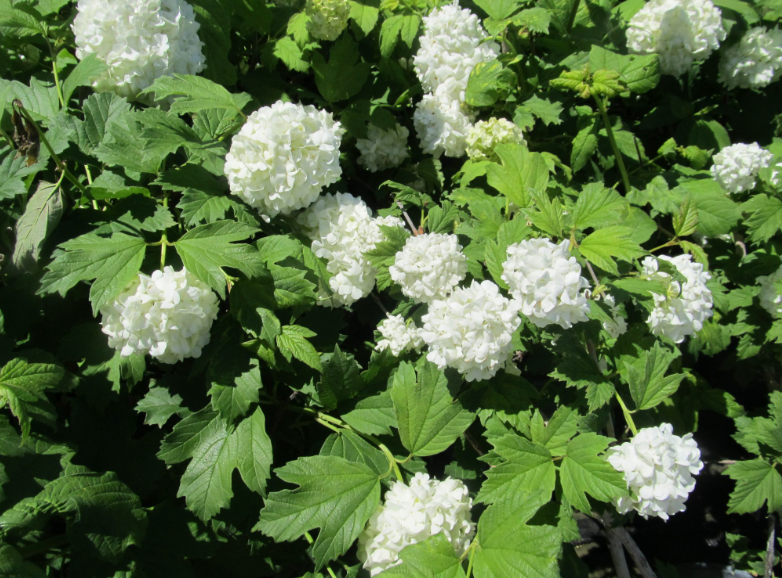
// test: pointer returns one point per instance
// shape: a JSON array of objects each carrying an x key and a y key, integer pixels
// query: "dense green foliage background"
[{"x": 115, "y": 466}]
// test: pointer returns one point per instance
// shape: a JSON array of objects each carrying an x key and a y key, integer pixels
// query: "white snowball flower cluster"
[
  {"x": 168, "y": 315},
  {"x": 429, "y": 266},
  {"x": 398, "y": 336},
  {"x": 383, "y": 149},
  {"x": 755, "y": 62},
  {"x": 487, "y": 134},
  {"x": 139, "y": 41},
  {"x": 411, "y": 514},
  {"x": 682, "y": 311},
  {"x": 451, "y": 46},
  {"x": 442, "y": 126},
  {"x": 328, "y": 18},
  {"x": 770, "y": 299},
  {"x": 342, "y": 230},
  {"x": 547, "y": 282},
  {"x": 471, "y": 330},
  {"x": 679, "y": 31},
  {"x": 617, "y": 326},
  {"x": 658, "y": 468},
  {"x": 283, "y": 157},
  {"x": 736, "y": 167}
]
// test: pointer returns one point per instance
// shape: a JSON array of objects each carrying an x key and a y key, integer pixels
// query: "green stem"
[
  {"x": 572, "y": 18},
  {"x": 469, "y": 564},
  {"x": 337, "y": 425},
  {"x": 670, "y": 243},
  {"x": 7, "y": 137},
  {"x": 44, "y": 546},
  {"x": 626, "y": 413},
  {"x": 56, "y": 74},
  {"x": 310, "y": 541},
  {"x": 57, "y": 160},
  {"x": 619, "y": 161},
  {"x": 89, "y": 180},
  {"x": 164, "y": 239}
]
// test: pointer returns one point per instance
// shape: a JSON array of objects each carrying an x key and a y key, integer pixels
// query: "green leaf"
[
  {"x": 488, "y": 83},
  {"x": 90, "y": 68},
  {"x": 215, "y": 32},
  {"x": 685, "y": 222},
  {"x": 341, "y": 378},
  {"x": 496, "y": 252},
  {"x": 584, "y": 146},
  {"x": 520, "y": 170},
  {"x": 159, "y": 405},
  {"x": 364, "y": 16},
  {"x": 639, "y": 73},
  {"x": 373, "y": 415},
  {"x": 41, "y": 215},
  {"x": 13, "y": 565},
  {"x": 765, "y": 217},
  {"x": 205, "y": 250},
  {"x": 757, "y": 481},
  {"x": 12, "y": 170},
  {"x": 334, "y": 495},
  {"x": 547, "y": 111},
  {"x": 509, "y": 546},
  {"x": 254, "y": 451},
  {"x": 601, "y": 246},
  {"x": 291, "y": 288},
  {"x": 124, "y": 147},
  {"x": 235, "y": 401},
  {"x": 100, "y": 110},
  {"x": 216, "y": 452},
  {"x": 434, "y": 557},
  {"x": 354, "y": 448},
  {"x": 429, "y": 419},
  {"x": 113, "y": 262},
  {"x": 289, "y": 52},
  {"x": 535, "y": 19},
  {"x": 195, "y": 93},
  {"x": 499, "y": 9},
  {"x": 597, "y": 206},
  {"x": 399, "y": 26},
  {"x": 526, "y": 467},
  {"x": 647, "y": 380},
  {"x": 384, "y": 253},
  {"x": 717, "y": 213},
  {"x": 344, "y": 75},
  {"x": 103, "y": 516},
  {"x": 23, "y": 389},
  {"x": 442, "y": 219},
  {"x": 293, "y": 343},
  {"x": 585, "y": 471},
  {"x": 18, "y": 24}
]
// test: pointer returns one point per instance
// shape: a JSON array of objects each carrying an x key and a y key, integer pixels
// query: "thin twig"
[
  {"x": 407, "y": 218},
  {"x": 592, "y": 273},
  {"x": 615, "y": 547},
  {"x": 473, "y": 443},
  {"x": 772, "y": 524},
  {"x": 640, "y": 561},
  {"x": 379, "y": 303}
]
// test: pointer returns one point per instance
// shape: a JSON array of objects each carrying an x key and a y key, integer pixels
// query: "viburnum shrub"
[{"x": 346, "y": 288}]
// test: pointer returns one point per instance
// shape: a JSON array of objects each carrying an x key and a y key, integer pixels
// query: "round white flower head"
[
  {"x": 658, "y": 468},
  {"x": 411, "y": 514},
  {"x": 383, "y": 149},
  {"x": 429, "y": 266},
  {"x": 736, "y": 167},
  {"x": 471, "y": 330},
  {"x": 398, "y": 336},
  {"x": 328, "y": 18},
  {"x": 168, "y": 315},
  {"x": 679, "y": 31},
  {"x": 755, "y": 62},
  {"x": 139, "y": 41},
  {"x": 442, "y": 126},
  {"x": 342, "y": 230},
  {"x": 451, "y": 46},
  {"x": 547, "y": 281},
  {"x": 487, "y": 134},
  {"x": 617, "y": 326},
  {"x": 770, "y": 299},
  {"x": 283, "y": 157},
  {"x": 682, "y": 311}
]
